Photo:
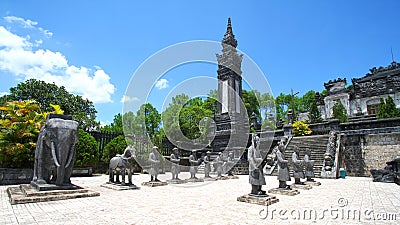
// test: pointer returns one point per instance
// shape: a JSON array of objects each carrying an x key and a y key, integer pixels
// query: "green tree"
[
  {"x": 116, "y": 126},
  {"x": 20, "y": 125},
  {"x": 45, "y": 94},
  {"x": 382, "y": 113},
  {"x": 387, "y": 109},
  {"x": 251, "y": 103},
  {"x": 340, "y": 112},
  {"x": 86, "y": 150},
  {"x": 314, "y": 115}
]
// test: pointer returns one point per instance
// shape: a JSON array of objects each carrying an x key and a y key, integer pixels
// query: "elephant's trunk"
[{"x": 53, "y": 154}]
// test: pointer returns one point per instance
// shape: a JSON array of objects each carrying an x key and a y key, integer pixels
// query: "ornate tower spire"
[
  {"x": 229, "y": 37},
  {"x": 229, "y": 74}
]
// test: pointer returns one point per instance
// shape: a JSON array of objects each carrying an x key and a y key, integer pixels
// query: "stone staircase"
[{"x": 317, "y": 144}]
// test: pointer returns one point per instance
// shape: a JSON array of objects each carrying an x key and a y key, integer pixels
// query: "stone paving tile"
[{"x": 212, "y": 202}]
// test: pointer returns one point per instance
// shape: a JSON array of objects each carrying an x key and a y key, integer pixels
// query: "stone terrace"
[{"x": 212, "y": 202}]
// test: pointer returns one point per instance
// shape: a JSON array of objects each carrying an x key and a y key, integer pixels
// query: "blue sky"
[{"x": 94, "y": 47}]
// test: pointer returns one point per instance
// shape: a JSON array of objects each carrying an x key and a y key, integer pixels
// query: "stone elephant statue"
[{"x": 55, "y": 149}]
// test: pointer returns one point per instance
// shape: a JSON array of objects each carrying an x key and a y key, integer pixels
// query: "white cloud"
[
  {"x": 29, "y": 24},
  {"x": 3, "y": 93},
  {"x": 161, "y": 84},
  {"x": 126, "y": 98},
  {"x": 18, "y": 58}
]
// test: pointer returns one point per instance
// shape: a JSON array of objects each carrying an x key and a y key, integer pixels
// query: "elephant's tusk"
[
  {"x": 53, "y": 152},
  {"x": 70, "y": 156}
]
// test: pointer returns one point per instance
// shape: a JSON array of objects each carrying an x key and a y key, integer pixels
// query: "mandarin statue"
[
  {"x": 297, "y": 166},
  {"x": 283, "y": 168},
  {"x": 207, "y": 164},
  {"x": 193, "y": 164},
  {"x": 154, "y": 159},
  {"x": 120, "y": 164},
  {"x": 309, "y": 165},
  {"x": 256, "y": 175},
  {"x": 55, "y": 150},
  {"x": 175, "y": 168}
]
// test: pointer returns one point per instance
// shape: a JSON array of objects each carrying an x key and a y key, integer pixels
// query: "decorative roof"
[
  {"x": 229, "y": 37},
  {"x": 376, "y": 73}
]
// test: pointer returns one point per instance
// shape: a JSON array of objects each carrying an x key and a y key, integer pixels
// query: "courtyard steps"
[{"x": 317, "y": 144}]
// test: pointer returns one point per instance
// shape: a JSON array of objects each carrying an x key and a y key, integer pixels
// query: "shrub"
[
  {"x": 86, "y": 150},
  {"x": 115, "y": 146},
  {"x": 300, "y": 128}
]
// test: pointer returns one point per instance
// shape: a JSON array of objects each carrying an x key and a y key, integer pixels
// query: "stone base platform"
[
  {"x": 119, "y": 187},
  {"x": 222, "y": 178},
  {"x": 301, "y": 186},
  {"x": 210, "y": 179},
  {"x": 194, "y": 180},
  {"x": 154, "y": 183},
  {"x": 282, "y": 191},
  {"x": 267, "y": 200},
  {"x": 26, "y": 193},
  {"x": 313, "y": 183},
  {"x": 232, "y": 177},
  {"x": 176, "y": 181}
]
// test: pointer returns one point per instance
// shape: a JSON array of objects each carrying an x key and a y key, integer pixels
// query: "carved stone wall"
[{"x": 369, "y": 151}]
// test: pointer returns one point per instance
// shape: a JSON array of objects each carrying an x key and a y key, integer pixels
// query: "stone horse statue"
[
  {"x": 120, "y": 164},
  {"x": 55, "y": 149}
]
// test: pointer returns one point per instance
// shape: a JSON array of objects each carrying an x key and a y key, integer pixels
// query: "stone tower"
[
  {"x": 231, "y": 125},
  {"x": 229, "y": 75}
]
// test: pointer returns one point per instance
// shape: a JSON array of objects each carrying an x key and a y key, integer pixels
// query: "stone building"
[{"x": 363, "y": 99}]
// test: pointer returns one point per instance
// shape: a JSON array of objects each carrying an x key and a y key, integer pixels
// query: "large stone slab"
[
  {"x": 154, "y": 183},
  {"x": 283, "y": 191},
  {"x": 119, "y": 187},
  {"x": 267, "y": 200},
  {"x": 53, "y": 187},
  {"x": 26, "y": 193}
]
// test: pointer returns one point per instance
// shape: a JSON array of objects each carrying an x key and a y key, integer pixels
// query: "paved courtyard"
[{"x": 353, "y": 200}]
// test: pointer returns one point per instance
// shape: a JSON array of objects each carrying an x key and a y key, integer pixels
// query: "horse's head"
[{"x": 129, "y": 152}]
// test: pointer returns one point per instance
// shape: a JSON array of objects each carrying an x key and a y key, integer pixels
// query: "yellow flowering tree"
[
  {"x": 300, "y": 128},
  {"x": 20, "y": 123}
]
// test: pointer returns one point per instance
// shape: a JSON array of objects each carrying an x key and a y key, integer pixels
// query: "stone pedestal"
[
  {"x": 301, "y": 186},
  {"x": 26, "y": 193},
  {"x": 283, "y": 191},
  {"x": 53, "y": 187},
  {"x": 210, "y": 179},
  {"x": 154, "y": 183},
  {"x": 194, "y": 180},
  {"x": 313, "y": 183},
  {"x": 176, "y": 181},
  {"x": 267, "y": 200},
  {"x": 232, "y": 177},
  {"x": 119, "y": 187},
  {"x": 222, "y": 178}
]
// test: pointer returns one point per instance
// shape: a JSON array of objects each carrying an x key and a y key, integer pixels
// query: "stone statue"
[
  {"x": 256, "y": 175},
  {"x": 283, "y": 168},
  {"x": 219, "y": 162},
  {"x": 229, "y": 164},
  {"x": 55, "y": 150},
  {"x": 207, "y": 165},
  {"x": 174, "y": 158},
  {"x": 154, "y": 160},
  {"x": 309, "y": 165},
  {"x": 120, "y": 164},
  {"x": 297, "y": 166},
  {"x": 193, "y": 164}
]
